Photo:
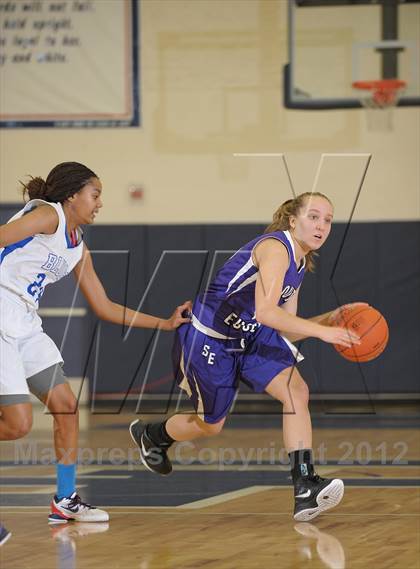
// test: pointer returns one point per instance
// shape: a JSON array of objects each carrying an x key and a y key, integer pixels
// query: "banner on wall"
[{"x": 69, "y": 63}]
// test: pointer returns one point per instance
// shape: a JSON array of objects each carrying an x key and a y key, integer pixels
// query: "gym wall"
[{"x": 211, "y": 87}]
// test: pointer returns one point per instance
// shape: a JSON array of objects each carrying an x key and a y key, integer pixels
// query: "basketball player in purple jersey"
[
  {"x": 41, "y": 244},
  {"x": 243, "y": 327}
]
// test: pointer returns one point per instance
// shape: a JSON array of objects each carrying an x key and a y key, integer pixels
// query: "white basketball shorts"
[{"x": 25, "y": 349}]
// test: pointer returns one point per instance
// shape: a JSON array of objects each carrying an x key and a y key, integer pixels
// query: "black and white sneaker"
[
  {"x": 153, "y": 456},
  {"x": 315, "y": 495}
]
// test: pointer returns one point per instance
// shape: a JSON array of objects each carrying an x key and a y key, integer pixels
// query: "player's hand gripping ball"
[{"x": 369, "y": 324}]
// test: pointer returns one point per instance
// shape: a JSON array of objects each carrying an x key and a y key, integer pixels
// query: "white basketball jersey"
[{"x": 28, "y": 266}]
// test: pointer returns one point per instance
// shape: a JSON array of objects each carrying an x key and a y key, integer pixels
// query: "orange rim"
[{"x": 380, "y": 85}]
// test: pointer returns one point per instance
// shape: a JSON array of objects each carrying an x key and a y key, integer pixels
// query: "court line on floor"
[
  {"x": 226, "y": 497},
  {"x": 249, "y": 490}
]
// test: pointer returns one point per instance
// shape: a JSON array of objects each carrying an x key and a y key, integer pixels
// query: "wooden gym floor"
[{"x": 227, "y": 505}]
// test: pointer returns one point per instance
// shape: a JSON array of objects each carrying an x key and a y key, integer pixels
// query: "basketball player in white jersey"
[{"x": 41, "y": 244}]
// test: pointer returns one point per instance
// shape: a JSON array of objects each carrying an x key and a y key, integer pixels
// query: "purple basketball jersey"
[{"x": 227, "y": 308}]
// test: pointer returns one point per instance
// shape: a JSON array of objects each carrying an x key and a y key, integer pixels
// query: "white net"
[{"x": 379, "y": 118}]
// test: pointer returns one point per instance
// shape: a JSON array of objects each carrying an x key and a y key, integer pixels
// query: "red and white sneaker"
[{"x": 72, "y": 508}]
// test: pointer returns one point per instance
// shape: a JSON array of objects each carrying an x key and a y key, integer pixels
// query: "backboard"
[{"x": 334, "y": 43}]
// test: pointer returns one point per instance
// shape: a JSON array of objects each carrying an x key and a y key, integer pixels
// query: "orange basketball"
[{"x": 370, "y": 326}]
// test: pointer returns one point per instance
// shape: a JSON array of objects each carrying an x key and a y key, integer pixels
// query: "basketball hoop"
[{"x": 384, "y": 95}]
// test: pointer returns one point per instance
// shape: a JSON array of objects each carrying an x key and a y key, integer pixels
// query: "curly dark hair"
[{"x": 64, "y": 180}]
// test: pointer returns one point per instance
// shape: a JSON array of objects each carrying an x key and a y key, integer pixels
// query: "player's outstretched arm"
[
  {"x": 43, "y": 219},
  {"x": 106, "y": 309},
  {"x": 272, "y": 260}
]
